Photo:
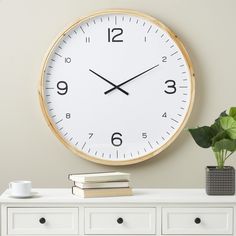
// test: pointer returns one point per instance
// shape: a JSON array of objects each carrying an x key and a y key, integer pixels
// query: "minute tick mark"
[
  {"x": 150, "y": 144},
  {"x": 83, "y": 145},
  {"x": 173, "y": 53},
  {"x": 175, "y": 120},
  {"x": 82, "y": 29},
  {"x": 59, "y": 121},
  {"x": 149, "y": 29},
  {"x": 58, "y": 54}
]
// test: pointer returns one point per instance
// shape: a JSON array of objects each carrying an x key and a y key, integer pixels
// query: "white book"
[
  {"x": 119, "y": 184},
  {"x": 100, "y": 177}
]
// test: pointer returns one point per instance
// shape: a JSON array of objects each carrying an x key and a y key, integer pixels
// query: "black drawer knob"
[
  {"x": 197, "y": 220},
  {"x": 42, "y": 220},
  {"x": 120, "y": 220}
]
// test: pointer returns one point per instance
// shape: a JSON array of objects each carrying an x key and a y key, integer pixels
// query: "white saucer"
[{"x": 32, "y": 194}]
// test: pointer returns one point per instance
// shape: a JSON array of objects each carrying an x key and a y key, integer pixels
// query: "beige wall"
[{"x": 29, "y": 150}]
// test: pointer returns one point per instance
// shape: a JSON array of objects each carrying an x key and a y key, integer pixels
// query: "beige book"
[{"x": 107, "y": 192}]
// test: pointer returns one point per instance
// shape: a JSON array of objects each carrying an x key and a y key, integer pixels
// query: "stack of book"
[{"x": 102, "y": 184}]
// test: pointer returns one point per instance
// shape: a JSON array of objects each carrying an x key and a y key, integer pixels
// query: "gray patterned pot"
[{"x": 220, "y": 181}]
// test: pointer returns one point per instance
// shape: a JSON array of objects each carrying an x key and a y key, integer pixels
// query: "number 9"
[{"x": 62, "y": 87}]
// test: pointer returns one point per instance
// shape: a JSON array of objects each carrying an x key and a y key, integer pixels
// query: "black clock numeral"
[
  {"x": 144, "y": 135},
  {"x": 68, "y": 115},
  {"x": 116, "y": 139},
  {"x": 62, "y": 87},
  {"x": 171, "y": 85},
  {"x": 90, "y": 135},
  {"x": 87, "y": 39},
  {"x": 164, "y": 115},
  {"x": 67, "y": 60},
  {"x": 116, "y": 33},
  {"x": 164, "y": 59}
]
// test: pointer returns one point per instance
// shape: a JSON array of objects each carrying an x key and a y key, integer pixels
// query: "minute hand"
[{"x": 119, "y": 85}]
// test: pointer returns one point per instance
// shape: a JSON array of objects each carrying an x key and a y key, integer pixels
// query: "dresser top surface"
[{"x": 64, "y": 195}]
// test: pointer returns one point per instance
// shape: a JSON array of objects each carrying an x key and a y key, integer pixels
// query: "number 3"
[{"x": 171, "y": 86}]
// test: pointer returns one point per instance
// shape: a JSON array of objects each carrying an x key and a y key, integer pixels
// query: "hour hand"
[{"x": 109, "y": 82}]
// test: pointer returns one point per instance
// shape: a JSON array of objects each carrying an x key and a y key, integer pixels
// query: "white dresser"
[{"x": 149, "y": 212}]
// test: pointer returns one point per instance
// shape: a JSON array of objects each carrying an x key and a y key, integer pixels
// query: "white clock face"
[{"x": 117, "y": 87}]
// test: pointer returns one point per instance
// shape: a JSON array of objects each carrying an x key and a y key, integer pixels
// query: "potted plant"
[{"x": 221, "y": 137}]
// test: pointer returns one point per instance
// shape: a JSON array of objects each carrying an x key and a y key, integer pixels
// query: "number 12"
[{"x": 117, "y": 32}]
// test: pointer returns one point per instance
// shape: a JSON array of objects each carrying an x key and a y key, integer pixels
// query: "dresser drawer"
[
  {"x": 120, "y": 221},
  {"x": 197, "y": 221},
  {"x": 41, "y": 221}
]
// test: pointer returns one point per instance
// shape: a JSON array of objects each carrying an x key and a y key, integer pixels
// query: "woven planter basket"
[{"x": 220, "y": 181}]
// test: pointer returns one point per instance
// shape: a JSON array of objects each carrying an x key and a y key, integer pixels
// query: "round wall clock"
[{"x": 117, "y": 87}]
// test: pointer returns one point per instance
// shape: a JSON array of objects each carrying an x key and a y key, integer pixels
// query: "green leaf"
[
  {"x": 229, "y": 124},
  {"x": 225, "y": 144},
  {"x": 232, "y": 112},
  {"x": 222, "y": 114},
  {"x": 216, "y": 127},
  {"x": 221, "y": 135},
  {"x": 202, "y": 136}
]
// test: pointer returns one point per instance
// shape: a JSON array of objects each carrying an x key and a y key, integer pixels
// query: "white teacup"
[{"x": 20, "y": 188}]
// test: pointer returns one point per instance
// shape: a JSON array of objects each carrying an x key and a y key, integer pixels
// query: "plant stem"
[
  {"x": 227, "y": 156},
  {"x": 220, "y": 159}
]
